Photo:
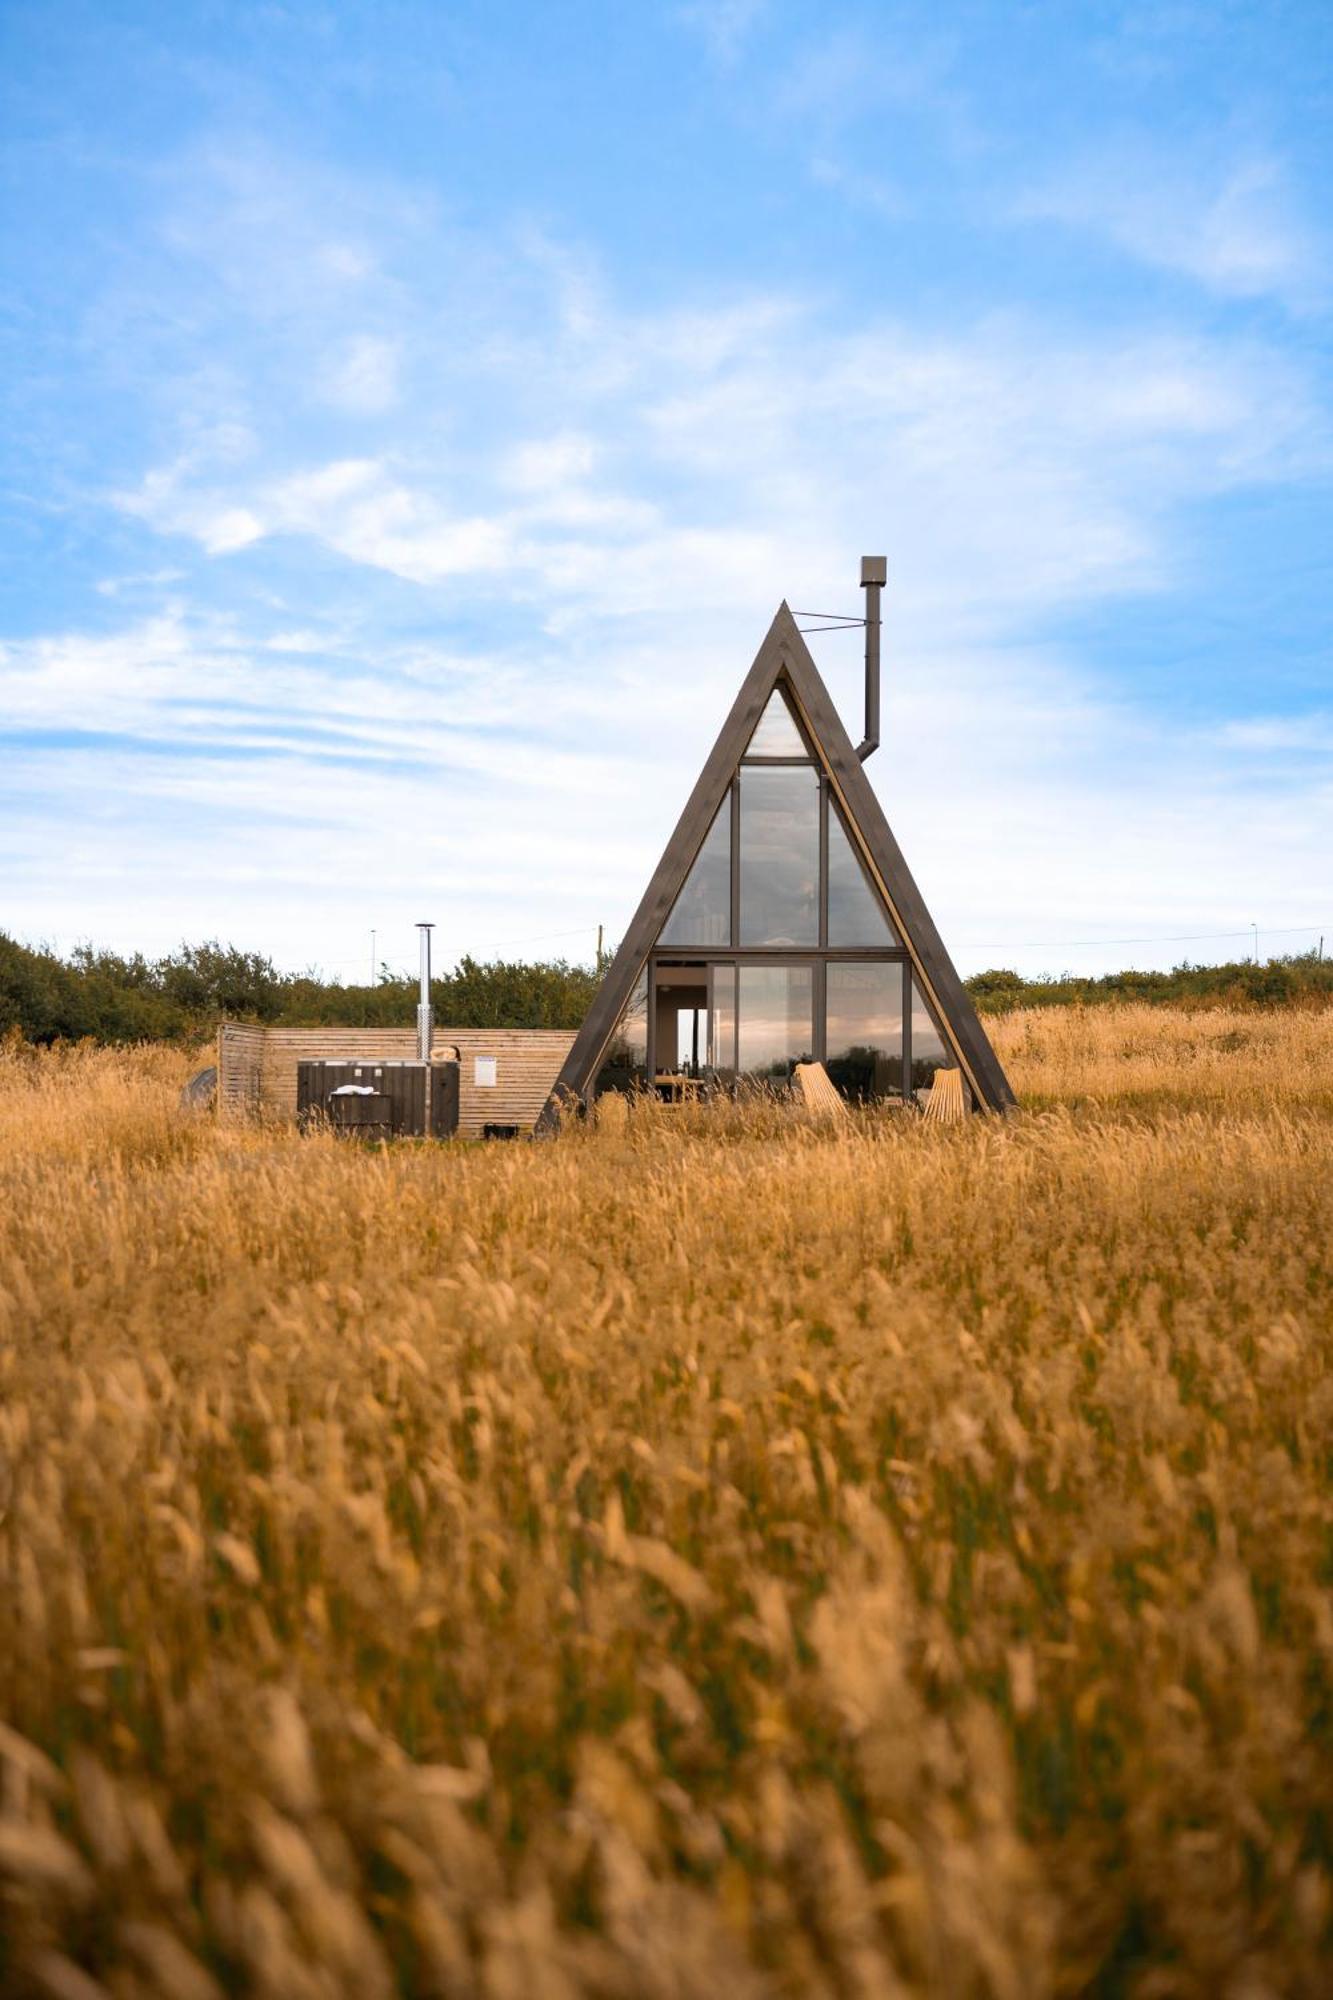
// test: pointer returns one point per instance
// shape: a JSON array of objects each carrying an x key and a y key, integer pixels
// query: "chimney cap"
[{"x": 874, "y": 569}]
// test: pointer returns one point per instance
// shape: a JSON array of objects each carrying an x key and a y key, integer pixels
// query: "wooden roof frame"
[{"x": 784, "y": 658}]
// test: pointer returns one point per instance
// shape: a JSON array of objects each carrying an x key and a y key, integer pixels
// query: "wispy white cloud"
[
  {"x": 1304, "y": 735},
  {"x": 874, "y": 192},
  {"x": 1235, "y": 229},
  {"x": 724, "y": 25},
  {"x": 706, "y": 450},
  {"x": 550, "y": 464},
  {"x": 155, "y": 580},
  {"x": 845, "y": 72},
  {"x": 187, "y": 680},
  {"x": 363, "y": 375}
]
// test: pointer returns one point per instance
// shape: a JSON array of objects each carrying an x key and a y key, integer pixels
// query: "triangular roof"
[{"x": 784, "y": 658}]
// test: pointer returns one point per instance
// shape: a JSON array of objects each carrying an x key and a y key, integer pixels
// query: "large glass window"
[
  {"x": 625, "y": 1064},
  {"x": 753, "y": 897},
  {"x": 776, "y": 734},
  {"x": 701, "y": 913},
  {"x": 776, "y": 1013},
  {"x": 779, "y": 855},
  {"x": 855, "y": 913},
  {"x": 865, "y": 1029},
  {"x": 722, "y": 1038},
  {"x": 929, "y": 1049}
]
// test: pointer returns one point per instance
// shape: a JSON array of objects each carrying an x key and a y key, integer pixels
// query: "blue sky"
[{"x": 411, "y": 416}]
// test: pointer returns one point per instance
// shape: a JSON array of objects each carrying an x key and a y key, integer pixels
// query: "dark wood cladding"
[{"x": 391, "y": 1095}]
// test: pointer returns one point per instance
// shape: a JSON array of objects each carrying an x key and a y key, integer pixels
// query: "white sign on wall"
[{"x": 483, "y": 1072}]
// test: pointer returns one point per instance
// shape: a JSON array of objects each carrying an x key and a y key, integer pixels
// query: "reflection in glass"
[
  {"x": 701, "y": 913},
  {"x": 722, "y": 1038},
  {"x": 929, "y": 1048},
  {"x": 855, "y": 913},
  {"x": 776, "y": 1020},
  {"x": 625, "y": 1064},
  {"x": 779, "y": 856},
  {"x": 865, "y": 1030},
  {"x": 776, "y": 734}
]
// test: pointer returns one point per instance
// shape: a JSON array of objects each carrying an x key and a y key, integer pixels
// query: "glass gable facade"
[
  {"x": 779, "y": 872},
  {"x": 777, "y": 734},
  {"x": 701, "y": 913},
  {"x": 775, "y": 1020},
  {"x": 625, "y": 1064},
  {"x": 930, "y": 1051},
  {"x": 864, "y": 1027},
  {"x": 855, "y": 913},
  {"x": 778, "y": 949},
  {"x": 722, "y": 1024}
]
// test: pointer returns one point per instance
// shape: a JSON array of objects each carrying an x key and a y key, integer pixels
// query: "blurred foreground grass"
[{"x": 726, "y": 1557}]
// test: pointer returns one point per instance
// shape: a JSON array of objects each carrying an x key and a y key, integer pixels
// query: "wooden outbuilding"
[{"x": 504, "y": 1074}]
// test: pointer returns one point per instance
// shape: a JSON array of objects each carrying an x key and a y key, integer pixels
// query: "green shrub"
[
  {"x": 102, "y": 996},
  {"x": 1304, "y": 978}
]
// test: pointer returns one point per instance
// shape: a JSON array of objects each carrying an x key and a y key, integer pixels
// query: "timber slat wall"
[
  {"x": 240, "y": 1051},
  {"x": 257, "y": 1066}
]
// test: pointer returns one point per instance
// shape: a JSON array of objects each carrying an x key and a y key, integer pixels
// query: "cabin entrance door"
[{"x": 680, "y": 1023}]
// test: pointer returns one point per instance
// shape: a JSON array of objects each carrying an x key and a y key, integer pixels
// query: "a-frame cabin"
[{"x": 782, "y": 925}]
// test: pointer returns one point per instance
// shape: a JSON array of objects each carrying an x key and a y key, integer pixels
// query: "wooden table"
[{"x": 675, "y": 1087}]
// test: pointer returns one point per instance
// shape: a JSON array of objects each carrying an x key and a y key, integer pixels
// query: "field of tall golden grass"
[{"x": 726, "y": 1557}]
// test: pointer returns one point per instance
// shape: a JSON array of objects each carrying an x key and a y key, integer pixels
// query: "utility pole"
[
  {"x": 425, "y": 1018},
  {"x": 599, "y": 951},
  {"x": 1255, "y": 929},
  {"x": 372, "y": 958}
]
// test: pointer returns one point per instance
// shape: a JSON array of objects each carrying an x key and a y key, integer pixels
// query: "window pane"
[
  {"x": 855, "y": 913},
  {"x": 779, "y": 856},
  {"x": 681, "y": 1003},
  {"x": 776, "y": 1020},
  {"x": 777, "y": 734},
  {"x": 722, "y": 1047},
  {"x": 625, "y": 1064},
  {"x": 930, "y": 1051},
  {"x": 865, "y": 1030},
  {"x": 701, "y": 913}
]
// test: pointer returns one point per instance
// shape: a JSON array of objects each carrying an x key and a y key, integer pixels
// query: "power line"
[
  {"x": 487, "y": 944},
  {"x": 547, "y": 937},
  {"x": 1179, "y": 937},
  {"x": 829, "y": 621}
]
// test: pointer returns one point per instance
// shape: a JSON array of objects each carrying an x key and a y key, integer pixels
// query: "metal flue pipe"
[
  {"x": 874, "y": 575},
  {"x": 425, "y": 1020}
]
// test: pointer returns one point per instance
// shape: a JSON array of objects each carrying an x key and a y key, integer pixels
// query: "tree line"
[
  {"x": 1297, "y": 978},
  {"x": 111, "y": 998},
  {"x": 99, "y": 994}
]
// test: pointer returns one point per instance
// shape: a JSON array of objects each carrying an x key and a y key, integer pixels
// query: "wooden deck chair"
[
  {"x": 944, "y": 1102},
  {"x": 818, "y": 1093}
]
